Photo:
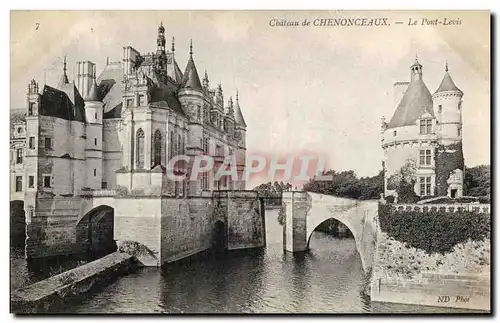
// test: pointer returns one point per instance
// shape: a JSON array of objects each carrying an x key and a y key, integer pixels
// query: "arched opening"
[
  {"x": 17, "y": 224},
  {"x": 95, "y": 232},
  {"x": 332, "y": 228},
  {"x": 157, "y": 151},
  {"x": 219, "y": 238},
  {"x": 140, "y": 148}
]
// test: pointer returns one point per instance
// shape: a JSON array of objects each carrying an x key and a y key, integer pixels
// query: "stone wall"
[
  {"x": 411, "y": 276},
  {"x": 245, "y": 216},
  {"x": 51, "y": 294},
  {"x": 186, "y": 227},
  {"x": 53, "y": 230},
  {"x": 170, "y": 228}
]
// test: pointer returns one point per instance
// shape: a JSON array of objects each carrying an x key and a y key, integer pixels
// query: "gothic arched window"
[
  {"x": 157, "y": 148},
  {"x": 179, "y": 144},
  {"x": 171, "y": 146},
  {"x": 140, "y": 148}
]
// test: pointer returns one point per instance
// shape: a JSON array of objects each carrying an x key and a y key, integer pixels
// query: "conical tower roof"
[
  {"x": 447, "y": 83},
  {"x": 238, "y": 116},
  {"x": 93, "y": 93},
  {"x": 416, "y": 101},
  {"x": 190, "y": 79}
]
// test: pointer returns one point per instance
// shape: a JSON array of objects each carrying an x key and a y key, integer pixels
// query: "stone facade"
[
  {"x": 407, "y": 275},
  {"x": 425, "y": 134},
  {"x": 119, "y": 131}
]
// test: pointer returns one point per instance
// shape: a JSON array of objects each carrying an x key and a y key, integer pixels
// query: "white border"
[{"x": 253, "y": 4}]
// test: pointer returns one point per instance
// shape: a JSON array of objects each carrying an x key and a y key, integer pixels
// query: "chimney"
[{"x": 84, "y": 77}]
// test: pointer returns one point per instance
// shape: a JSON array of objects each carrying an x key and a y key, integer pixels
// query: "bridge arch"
[
  {"x": 17, "y": 223},
  {"x": 311, "y": 229},
  {"x": 305, "y": 211},
  {"x": 95, "y": 232}
]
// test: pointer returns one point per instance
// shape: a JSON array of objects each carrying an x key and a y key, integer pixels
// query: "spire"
[
  {"x": 447, "y": 83},
  {"x": 173, "y": 44},
  {"x": 160, "y": 41},
  {"x": 190, "y": 79},
  {"x": 64, "y": 78},
  {"x": 206, "y": 83},
  {"x": 238, "y": 115},
  {"x": 94, "y": 91},
  {"x": 191, "y": 48},
  {"x": 230, "y": 108}
]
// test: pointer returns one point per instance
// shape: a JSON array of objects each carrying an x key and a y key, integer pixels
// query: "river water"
[{"x": 327, "y": 279}]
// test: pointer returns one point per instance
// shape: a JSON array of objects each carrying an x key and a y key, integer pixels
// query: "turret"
[
  {"x": 448, "y": 109},
  {"x": 240, "y": 124},
  {"x": 416, "y": 70},
  {"x": 240, "y": 135},
  {"x": 93, "y": 152}
]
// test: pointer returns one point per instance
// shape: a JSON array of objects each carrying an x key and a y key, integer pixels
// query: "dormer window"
[
  {"x": 394, "y": 133},
  {"x": 425, "y": 126}
]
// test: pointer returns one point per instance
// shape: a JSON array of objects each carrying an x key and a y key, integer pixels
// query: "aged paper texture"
[{"x": 250, "y": 162}]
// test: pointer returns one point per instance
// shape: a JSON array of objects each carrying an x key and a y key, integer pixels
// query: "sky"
[{"x": 301, "y": 88}]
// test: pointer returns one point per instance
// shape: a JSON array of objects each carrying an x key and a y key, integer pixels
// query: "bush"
[{"x": 433, "y": 231}]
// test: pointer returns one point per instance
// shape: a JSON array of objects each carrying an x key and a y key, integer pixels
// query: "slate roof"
[
  {"x": 65, "y": 103},
  {"x": 238, "y": 116},
  {"x": 110, "y": 92},
  {"x": 178, "y": 73},
  {"x": 416, "y": 101},
  {"x": 191, "y": 80},
  {"x": 165, "y": 97},
  {"x": 447, "y": 84},
  {"x": 94, "y": 94}
]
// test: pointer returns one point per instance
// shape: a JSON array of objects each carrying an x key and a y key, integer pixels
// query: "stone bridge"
[
  {"x": 170, "y": 228},
  {"x": 305, "y": 211}
]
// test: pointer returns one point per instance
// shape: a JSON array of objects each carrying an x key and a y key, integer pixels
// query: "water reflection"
[{"x": 327, "y": 279}]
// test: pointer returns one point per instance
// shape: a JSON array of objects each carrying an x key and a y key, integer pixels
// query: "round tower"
[
  {"x": 93, "y": 116},
  {"x": 447, "y": 102},
  {"x": 449, "y": 159},
  {"x": 192, "y": 99},
  {"x": 240, "y": 135}
]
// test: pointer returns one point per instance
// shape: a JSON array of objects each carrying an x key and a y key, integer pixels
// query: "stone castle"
[
  {"x": 424, "y": 137},
  {"x": 104, "y": 142},
  {"x": 120, "y": 129}
]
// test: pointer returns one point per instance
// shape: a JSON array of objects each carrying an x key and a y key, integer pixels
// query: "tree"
[
  {"x": 477, "y": 181},
  {"x": 403, "y": 182},
  {"x": 347, "y": 184},
  {"x": 273, "y": 191}
]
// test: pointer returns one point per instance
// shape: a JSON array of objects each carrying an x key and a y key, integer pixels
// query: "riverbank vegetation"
[
  {"x": 433, "y": 231},
  {"x": 347, "y": 184}
]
